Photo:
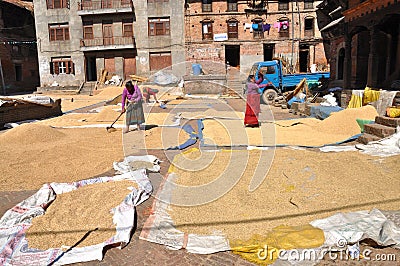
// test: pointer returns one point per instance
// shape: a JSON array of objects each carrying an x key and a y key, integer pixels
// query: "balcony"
[
  {"x": 93, "y": 7},
  {"x": 107, "y": 43}
]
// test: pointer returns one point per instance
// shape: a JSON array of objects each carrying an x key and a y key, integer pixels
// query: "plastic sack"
[{"x": 393, "y": 112}]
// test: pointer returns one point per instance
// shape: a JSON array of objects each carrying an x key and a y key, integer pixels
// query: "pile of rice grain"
[
  {"x": 301, "y": 186},
  {"x": 75, "y": 213},
  {"x": 38, "y": 154}
]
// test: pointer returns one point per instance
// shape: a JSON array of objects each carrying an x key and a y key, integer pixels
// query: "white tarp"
[
  {"x": 159, "y": 227},
  {"x": 125, "y": 167},
  {"x": 14, "y": 223},
  {"x": 385, "y": 147},
  {"x": 356, "y": 226}
]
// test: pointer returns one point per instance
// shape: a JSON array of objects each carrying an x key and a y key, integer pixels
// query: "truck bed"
[{"x": 293, "y": 79}]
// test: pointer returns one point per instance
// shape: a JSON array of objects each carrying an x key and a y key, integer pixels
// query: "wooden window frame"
[
  {"x": 56, "y": 4},
  {"x": 233, "y": 34},
  {"x": 62, "y": 66},
  {"x": 259, "y": 33},
  {"x": 59, "y": 32},
  {"x": 232, "y": 5},
  {"x": 159, "y": 27},
  {"x": 88, "y": 30},
  {"x": 283, "y": 5},
  {"x": 209, "y": 34},
  {"x": 308, "y": 4},
  {"x": 206, "y": 5},
  {"x": 126, "y": 32}
]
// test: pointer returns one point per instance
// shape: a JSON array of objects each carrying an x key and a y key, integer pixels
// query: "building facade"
[
  {"x": 240, "y": 33},
  {"x": 363, "y": 42},
  {"x": 77, "y": 40},
  {"x": 18, "y": 54}
]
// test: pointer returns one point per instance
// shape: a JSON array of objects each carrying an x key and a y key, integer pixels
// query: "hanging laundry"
[
  {"x": 247, "y": 26},
  {"x": 266, "y": 27},
  {"x": 277, "y": 25},
  {"x": 205, "y": 28},
  {"x": 255, "y": 26},
  {"x": 284, "y": 25}
]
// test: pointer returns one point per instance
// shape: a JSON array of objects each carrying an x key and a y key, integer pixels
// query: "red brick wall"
[{"x": 196, "y": 47}]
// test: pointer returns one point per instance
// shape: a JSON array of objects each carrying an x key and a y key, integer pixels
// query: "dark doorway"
[
  {"x": 232, "y": 55},
  {"x": 91, "y": 73},
  {"x": 268, "y": 51},
  {"x": 303, "y": 57}
]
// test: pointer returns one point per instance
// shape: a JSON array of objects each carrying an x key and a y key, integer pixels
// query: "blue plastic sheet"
[{"x": 322, "y": 112}]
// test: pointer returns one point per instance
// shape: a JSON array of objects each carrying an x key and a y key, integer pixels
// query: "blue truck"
[{"x": 272, "y": 74}]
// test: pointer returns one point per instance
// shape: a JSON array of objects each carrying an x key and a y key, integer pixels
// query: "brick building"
[
  {"x": 77, "y": 39},
  {"x": 18, "y": 53},
  {"x": 243, "y": 32},
  {"x": 362, "y": 39}
]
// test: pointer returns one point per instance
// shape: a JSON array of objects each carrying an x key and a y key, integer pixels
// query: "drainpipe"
[
  {"x": 2, "y": 78},
  {"x": 291, "y": 60}
]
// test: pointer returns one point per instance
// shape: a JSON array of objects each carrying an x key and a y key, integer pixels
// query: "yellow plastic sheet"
[
  {"x": 264, "y": 250},
  {"x": 393, "y": 112},
  {"x": 370, "y": 95},
  {"x": 356, "y": 99}
]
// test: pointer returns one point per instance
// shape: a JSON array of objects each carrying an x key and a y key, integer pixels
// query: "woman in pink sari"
[{"x": 252, "y": 102}]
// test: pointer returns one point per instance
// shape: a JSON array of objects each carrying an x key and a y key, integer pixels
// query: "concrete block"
[
  {"x": 379, "y": 130},
  {"x": 387, "y": 121},
  {"x": 307, "y": 110},
  {"x": 365, "y": 138}
]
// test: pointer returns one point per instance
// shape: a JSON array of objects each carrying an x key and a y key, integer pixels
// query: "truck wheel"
[{"x": 269, "y": 96}]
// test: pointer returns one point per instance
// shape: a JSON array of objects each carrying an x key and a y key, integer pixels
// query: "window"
[
  {"x": 88, "y": 30},
  {"x": 127, "y": 28},
  {"x": 308, "y": 4},
  {"x": 53, "y": 4},
  {"x": 267, "y": 70},
  {"x": 160, "y": 60},
  {"x": 18, "y": 72},
  {"x": 233, "y": 29},
  {"x": 207, "y": 30},
  {"x": 159, "y": 26},
  {"x": 257, "y": 26},
  {"x": 62, "y": 66},
  {"x": 283, "y": 27},
  {"x": 206, "y": 5},
  {"x": 283, "y": 4},
  {"x": 59, "y": 32},
  {"x": 232, "y": 5},
  {"x": 309, "y": 27}
]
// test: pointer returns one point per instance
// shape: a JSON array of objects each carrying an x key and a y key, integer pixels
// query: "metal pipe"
[{"x": 2, "y": 78}]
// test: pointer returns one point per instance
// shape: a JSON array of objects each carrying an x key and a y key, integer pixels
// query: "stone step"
[
  {"x": 379, "y": 130},
  {"x": 387, "y": 121},
  {"x": 365, "y": 138}
]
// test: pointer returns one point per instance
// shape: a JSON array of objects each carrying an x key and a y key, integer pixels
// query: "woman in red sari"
[{"x": 252, "y": 102}]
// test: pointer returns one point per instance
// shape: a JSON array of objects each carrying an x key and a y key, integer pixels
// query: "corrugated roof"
[{"x": 22, "y": 4}]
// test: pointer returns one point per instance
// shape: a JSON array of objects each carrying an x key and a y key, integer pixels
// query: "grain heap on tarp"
[
  {"x": 65, "y": 234},
  {"x": 37, "y": 154},
  {"x": 340, "y": 126},
  {"x": 77, "y": 212},
  {"x": 295, "y": 191}
]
